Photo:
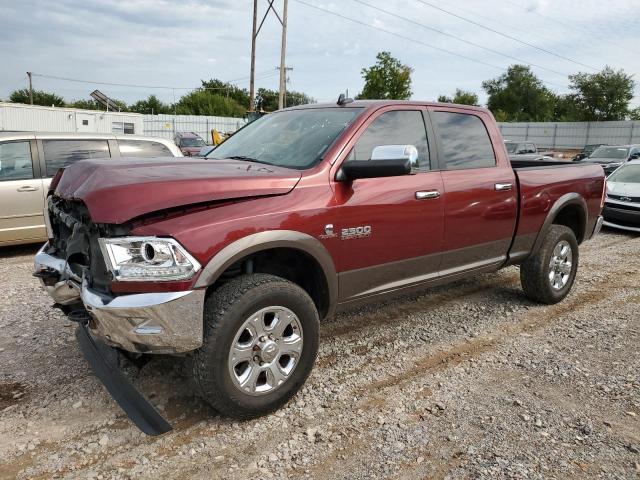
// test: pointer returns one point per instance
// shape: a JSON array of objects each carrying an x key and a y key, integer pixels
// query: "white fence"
[
  {"x": 572, "y": 135},
  {"x": 166, "y": 126}
]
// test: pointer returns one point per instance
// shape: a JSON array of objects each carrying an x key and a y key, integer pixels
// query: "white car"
[
  {"x": 28, "y": 161},
  {"x": 622, "y": 205}
]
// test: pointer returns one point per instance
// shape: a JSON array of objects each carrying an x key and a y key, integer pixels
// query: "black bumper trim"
[{"x": 137, "y": 408}]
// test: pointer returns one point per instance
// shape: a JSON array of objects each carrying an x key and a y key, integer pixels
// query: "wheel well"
[
  {"x": 572, "y": 216},
  {"x": 291, "y": 264}
]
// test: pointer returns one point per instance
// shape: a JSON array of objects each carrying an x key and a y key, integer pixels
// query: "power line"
[
  {"x": 460, "y": 38},
  {"x": 265, "y": 74},
  {"x": 502, "y": 69},
  {"x": 505, "y": 35},
  {"x": 398, "y": 35},
  {"x": 565, "y": 24}
]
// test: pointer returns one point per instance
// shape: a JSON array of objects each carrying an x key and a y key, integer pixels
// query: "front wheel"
[
  {"x": 260, "y": 343},
  {"x": 547, "y": 276}
]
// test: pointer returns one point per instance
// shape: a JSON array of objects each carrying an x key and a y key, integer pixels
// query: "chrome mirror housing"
[{"x": 396, "y": 152}]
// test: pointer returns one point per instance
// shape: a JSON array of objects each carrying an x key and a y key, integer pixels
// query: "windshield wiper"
[{"x": 247, "y": 159}]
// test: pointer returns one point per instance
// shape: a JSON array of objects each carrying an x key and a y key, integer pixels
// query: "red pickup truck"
[{"x": 235, "y": 259}]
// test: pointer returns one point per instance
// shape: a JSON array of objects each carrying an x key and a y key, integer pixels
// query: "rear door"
[
  {"x": 390, "y": 229},
  {"x": 480, "y": 191},
  {"x": 21, "y": 193}
]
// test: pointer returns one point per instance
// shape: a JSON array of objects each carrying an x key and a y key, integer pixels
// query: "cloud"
[{"x": 168, "y": 43}]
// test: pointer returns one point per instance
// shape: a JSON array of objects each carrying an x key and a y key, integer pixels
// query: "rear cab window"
[
  {"x": 143, "y": 148},
  {"x": 464, "y": 141},
  {"x": 15, "y": 161},
  {"x": 62, "y": 153}
]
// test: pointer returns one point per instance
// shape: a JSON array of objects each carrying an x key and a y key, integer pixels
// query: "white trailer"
[{"x": 36, "y": 118}]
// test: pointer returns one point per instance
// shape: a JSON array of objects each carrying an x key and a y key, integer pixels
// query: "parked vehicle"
[
  {"x": 622, "y": 205},
  {"x": 304, "y": 212},
  {"x": 29, "y": 160},
  {"x": 525, "y": 151},
  {"x": 586, "y": 151},
  {"x": 189, "y": 143},
  {"x": 611, "y": 157}
]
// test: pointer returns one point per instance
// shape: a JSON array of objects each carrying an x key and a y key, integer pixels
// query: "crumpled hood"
[{"x": 118, "y": 190}]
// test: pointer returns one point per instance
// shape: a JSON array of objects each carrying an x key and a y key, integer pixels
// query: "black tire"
[
  {"x": 225, "y": 311},
  {"x": 534, "y": 272}
]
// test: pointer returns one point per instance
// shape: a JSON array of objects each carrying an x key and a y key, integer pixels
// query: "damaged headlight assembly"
[{"x": 145, "y": 259}]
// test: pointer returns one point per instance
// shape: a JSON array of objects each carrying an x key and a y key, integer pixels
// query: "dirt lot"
[{"x": 470, "y": 380}]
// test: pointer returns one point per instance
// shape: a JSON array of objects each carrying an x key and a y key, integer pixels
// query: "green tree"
[
  {"x": 602, "y": 96},
  {"x": 151, "y": 105},
  {"x": 461, "y": 97},
  {"x": 520, "y": 96},
  {"x": 387, "y": 79},
  {"x": 204, "y": 102},
  {"x": 267, "y": 99},
  {"x": 86, "y": 105},
  {"x": 240, "y": 95},
  {"x": 634, "y": 114},
  {"x": 40, "y": 97}
]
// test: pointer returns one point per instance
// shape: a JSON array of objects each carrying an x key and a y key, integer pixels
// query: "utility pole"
[
  {"x": 282, "y": 97},
  {"x": 283, "y": 48},
  {"x": 254, "y": 35},
  {"x": 30, "y": 88},
  {"x": 252, "y": 87}
]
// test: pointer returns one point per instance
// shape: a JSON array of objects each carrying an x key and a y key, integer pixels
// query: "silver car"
[
  {"x": 29, "y": 160},
  {"x": 622, "y": 205}
]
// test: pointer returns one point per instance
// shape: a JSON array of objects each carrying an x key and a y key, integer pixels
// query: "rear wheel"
[
  {"x": 260, "y": 343},
  {"x": 548, "y": 276}
]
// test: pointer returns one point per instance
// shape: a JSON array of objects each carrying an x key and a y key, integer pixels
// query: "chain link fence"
[{"x": 572, "y": 135}]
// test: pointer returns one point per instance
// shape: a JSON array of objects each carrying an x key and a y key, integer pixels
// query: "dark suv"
[{"x": 189, "y": 143}]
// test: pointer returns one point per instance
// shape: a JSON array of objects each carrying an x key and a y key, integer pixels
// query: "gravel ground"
[{"x": 470, "y": 380}]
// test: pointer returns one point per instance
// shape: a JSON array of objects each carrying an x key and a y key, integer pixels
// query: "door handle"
[
  {"x": 423, "y": 195},
  {"x": 27, "y": 188},
  {"x": 503, "y": 186}
]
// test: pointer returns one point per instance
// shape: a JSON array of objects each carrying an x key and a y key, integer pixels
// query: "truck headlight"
[{"x": 147, "y": 259}]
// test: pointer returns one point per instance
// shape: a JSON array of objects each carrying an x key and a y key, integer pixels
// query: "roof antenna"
[{"x": 343, "y": 100}]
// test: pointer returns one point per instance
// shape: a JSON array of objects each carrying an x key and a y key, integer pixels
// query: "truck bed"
[{"x": 541, "y": 188}]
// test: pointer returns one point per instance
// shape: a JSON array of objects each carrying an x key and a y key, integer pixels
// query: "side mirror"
[
  {"x": 635, "y": 156},
  {"x": 395, "y": 152},
  {"x": 386, "y": 161}
]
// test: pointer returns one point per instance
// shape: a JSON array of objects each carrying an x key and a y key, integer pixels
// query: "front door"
[
  {"x": 21, "y": 195},
  {"x": 391, "y": 228}
]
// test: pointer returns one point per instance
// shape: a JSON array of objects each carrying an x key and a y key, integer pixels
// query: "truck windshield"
[
  {"x": 626, "y": 174},
  {"x": 291, "y": 138},
  {"x": 192, "y": 142},
  {"x": 609, "y": 153}
]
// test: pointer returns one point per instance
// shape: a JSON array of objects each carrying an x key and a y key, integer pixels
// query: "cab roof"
[{"x": 376, "y": 104}]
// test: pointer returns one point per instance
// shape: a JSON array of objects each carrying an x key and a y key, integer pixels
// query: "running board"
[{"x": 137, "y": 408}]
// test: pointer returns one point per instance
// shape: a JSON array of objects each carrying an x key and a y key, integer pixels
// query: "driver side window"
[{"x": 399, "y": 127}]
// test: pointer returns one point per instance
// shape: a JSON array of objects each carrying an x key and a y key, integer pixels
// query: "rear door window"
[
  {"x": 143, "y": 148},
  {"x": 15, "y": 161},
  {"x": 464, "y": 141},
  {"x": 62, "y": 153}
]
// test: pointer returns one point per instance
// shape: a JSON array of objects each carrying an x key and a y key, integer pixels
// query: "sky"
[{"x": 167, "y": 47}]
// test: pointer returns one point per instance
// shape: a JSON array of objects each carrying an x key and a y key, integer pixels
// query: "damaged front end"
[{"x": 75, "y": 273}]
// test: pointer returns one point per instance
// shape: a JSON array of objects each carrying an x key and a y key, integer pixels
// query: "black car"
[
  {"x": 611, "y": 157},
  {"x": 586, "y": 151}
]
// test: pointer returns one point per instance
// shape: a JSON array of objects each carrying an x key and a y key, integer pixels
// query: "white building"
[{"x": 35, "y": 118}]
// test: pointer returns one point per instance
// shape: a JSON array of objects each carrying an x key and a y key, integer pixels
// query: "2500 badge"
[{"x": 355, "y": 232}]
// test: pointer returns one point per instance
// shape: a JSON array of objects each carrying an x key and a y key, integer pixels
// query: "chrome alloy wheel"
[
  {"x": 560, "y": 265},
  {"x": 265, "y": 350}
]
